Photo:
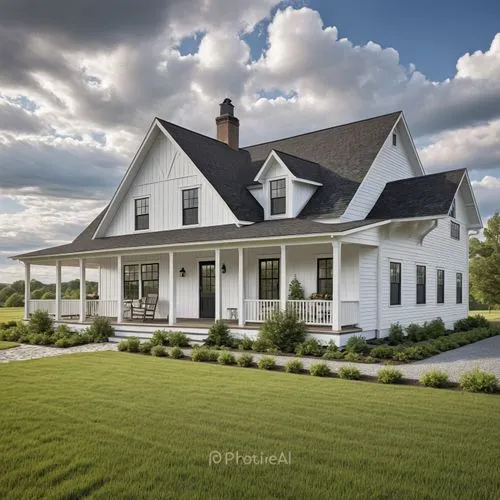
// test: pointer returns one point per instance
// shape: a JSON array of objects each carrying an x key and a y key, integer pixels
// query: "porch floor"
[{"x": 208, "y": 322}]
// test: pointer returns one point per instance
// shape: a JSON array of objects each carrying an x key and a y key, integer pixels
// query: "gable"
[
  {"x": 393, "y": 162},
  {"x": 160, "y": 176}
]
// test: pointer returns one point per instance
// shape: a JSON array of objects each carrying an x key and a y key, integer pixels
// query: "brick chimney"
[{"x": 228, "y": 126}]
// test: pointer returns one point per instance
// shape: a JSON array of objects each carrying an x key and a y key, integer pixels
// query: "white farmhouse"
[{"x": 201, "y": 229}]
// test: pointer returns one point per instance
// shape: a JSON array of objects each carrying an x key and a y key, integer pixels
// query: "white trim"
[
  {"x": 150, "y": 218},
  {"x": 272, "y": 154},
  {"x": 476, "y": 208},
  {"x": 187, "y": 188}
]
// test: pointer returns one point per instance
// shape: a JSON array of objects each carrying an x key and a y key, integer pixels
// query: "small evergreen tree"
[{"x": 295, "y": 290}]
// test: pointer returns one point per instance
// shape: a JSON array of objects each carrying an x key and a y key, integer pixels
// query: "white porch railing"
[
  {"x": 102, "y": 308},
  {"x": 349, "y": 312},
  {"x": 71, "y": 307},
  {"x": 42, "y": 305},
  {"x": 312, "y": 312},
  {"x": 258, "y": 311}
]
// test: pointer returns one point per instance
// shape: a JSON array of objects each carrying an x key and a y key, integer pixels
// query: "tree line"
[{"x": 12, "y": 295}]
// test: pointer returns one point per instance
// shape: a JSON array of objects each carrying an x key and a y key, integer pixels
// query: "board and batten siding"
[
  {"x": 391, "y": 164},
  {"x": 164, "y": 173}
]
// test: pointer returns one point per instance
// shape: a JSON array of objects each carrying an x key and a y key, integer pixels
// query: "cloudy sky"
[{"x": 81, "y": 81}]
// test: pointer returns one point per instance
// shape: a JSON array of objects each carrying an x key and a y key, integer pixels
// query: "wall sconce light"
[
  {"x": 223, "y": 268},
  {"x": 182, "y": 272}
]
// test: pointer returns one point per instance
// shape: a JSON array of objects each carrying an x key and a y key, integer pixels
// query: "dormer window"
[
  {"x": 141, "y": 214},
  {"x": 190, "y": 207},
  {"x": 278, "y": 197}
]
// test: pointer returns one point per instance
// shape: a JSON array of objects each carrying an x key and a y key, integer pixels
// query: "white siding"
[
  {"x": 165, "y": 171},
  {"x": 301, "y": 194},
  {"x": 439, "y": 251},
  {"x": 368, "y": 288},
  {"x": 391, "y": 164}
]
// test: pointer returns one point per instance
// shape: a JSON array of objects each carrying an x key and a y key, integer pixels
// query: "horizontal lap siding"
[
  {"x": 439, "y": 251},
  {"x": 368, "y": 288},
  {"x": 163, "y": 174}
]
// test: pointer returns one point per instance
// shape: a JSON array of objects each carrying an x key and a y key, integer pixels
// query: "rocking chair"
[{"x": 146, "y": 310}]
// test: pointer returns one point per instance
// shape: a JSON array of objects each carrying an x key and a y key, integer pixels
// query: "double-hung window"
[
  {"x": 278, "y": 196},
  {"x": 325, "y": 276},
  {"x": 131, "y": 282},
  {"x": 455, "y": 230},
  {"x": 141, "y": 214},
  {"x": 395, "y": 275},
  {"x": 149, "y": 278},
  {"x": 440, "y": 286},
  {"x": 421, "y": 282},
  {"x": 269, "y": 279},
  {"x": 459, "y": 288},
  {"x": 190, "y": 207}
]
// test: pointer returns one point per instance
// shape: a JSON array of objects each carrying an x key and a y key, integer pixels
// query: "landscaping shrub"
[
  {"x": 414, "y": 332},
  {"x": 159, "y": 337},
  {"x": 226, "y": 358},
  {"x": 133, "y": 344},
  {"x": 434, "y": 378},
  {"x": 41, "y": 322},
  {"x": 36, "y": 338},
  {"x": 261, "y": 345},
  {"x": 245, "y": 360},
  {"x": 63, "y": 342},
  {"x": 320, "y": 370},
  {"x": 100, "y": 330},
  {"x": 294, "y": 366},
  {"x": 435, "y": 328},
  {"x": 123, "y": 346},
  {"x": 471, "y": 322},
  {"x": 246, "y": 343},
  {"x": 352, "y": 356},
  {"x": 349, "y": 372},
  {"x": 357, "y": 344},
  {"x": 145, "y": 347},
  {"x": 178, "y": 339},
  {"x": 382, "y": 352},
  {"x": 477, "y": 380},
  {"x": 267, "y": 363},
  {"x": 331, "y": 355},
  {"x": 219, "y": 335},
  {"x": 310, "y": 347},
  {"x": 176, "y": 353},
  {"x": 283, "y": 331},
  {"x": 396, "y": 334},
  {"x": 159, "y": 351},
  {"x": 204, "y": 354},
  {"x": 389, "y": 375}
]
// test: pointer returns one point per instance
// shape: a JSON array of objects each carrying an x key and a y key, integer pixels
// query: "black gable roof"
[
  {"x": 344, "y": 153},
  {"x": 301, "y": 168},
  {"x": 422, "y": 196},
  {"x": 229, "y": 171}
]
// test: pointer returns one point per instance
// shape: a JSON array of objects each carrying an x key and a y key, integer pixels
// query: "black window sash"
[
  {"x": 440, "y": 286},
  {"x": 190, "y": 204},
  {"x": 421, "y": 284},
  {"x": 324, "y": 276},
  {"x": 395, "y": 283},
  {"x": 269, "y": 279},
  {"x": 278, "y": 196},
  {"x": 131, "y": 281},
  {"x": 141, "y": 214},
  {"x": 459, "y": 288}
]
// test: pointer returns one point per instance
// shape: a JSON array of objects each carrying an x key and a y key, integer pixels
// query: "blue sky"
[{"x": 77, "y": 93}]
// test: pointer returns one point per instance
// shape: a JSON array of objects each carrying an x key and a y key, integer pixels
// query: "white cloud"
[{"x": 487, "y": 191}]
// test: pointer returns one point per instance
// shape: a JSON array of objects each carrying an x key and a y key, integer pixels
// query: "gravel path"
[
  {"x": 27, "y": 351},
  {"x": 485, "y": 354}
]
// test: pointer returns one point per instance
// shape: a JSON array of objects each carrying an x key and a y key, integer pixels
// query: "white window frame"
[
  {"x": 187, "y": 188},
  {"x": 141, "y": 197}
]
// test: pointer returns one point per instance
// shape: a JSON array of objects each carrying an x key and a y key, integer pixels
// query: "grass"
[
  {"x": 11, "y": 314},
  {"x": 116, "y": 425},
  {"x": 493, "y": 315},
  {"x": 7, "y": 345}
]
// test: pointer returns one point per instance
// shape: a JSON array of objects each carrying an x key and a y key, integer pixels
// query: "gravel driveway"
[{"x": 485, "y": 354}]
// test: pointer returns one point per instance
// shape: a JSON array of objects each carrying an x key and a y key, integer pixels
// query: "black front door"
[{"x": 207, "y": 289}]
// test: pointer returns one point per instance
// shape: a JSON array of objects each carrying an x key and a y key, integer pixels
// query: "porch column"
[
  {"x": 27, "y": 289},
  {"x": 283, "y": 280},
  {"x": 58, "y": 290},
  {"x": 172, "y": 298},
  {"x": 336, "y": 267},
  {"x": 241, "y": 288},
  {"x": 83, "y": 291},
  {"x": 218, "y": 301},
  {"x": 119, "y": 289}
]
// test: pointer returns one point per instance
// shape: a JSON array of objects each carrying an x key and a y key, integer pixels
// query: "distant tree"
[
  {"x": 485, "y": 264},
  {"x": 48, "y": 296},
  {"x": 37, "y": 294},
  {"x": 5, "y": 293},
  {"x": 18, "y": 286},
  {"x": 15, "y": 300}
]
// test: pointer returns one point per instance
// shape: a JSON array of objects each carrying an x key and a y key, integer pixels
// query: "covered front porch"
[{"x": 242, "y": 285}]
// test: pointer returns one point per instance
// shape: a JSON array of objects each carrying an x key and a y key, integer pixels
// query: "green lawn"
[
  {"x": 11, "y": 314},
  {"x": 7, "y": 345},
  {"x": 116, "y": 425},
  {"x": 490, "y": 316}
]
